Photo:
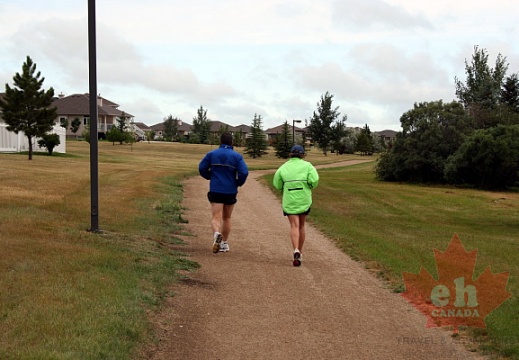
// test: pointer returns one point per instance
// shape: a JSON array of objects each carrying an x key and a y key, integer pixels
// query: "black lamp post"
[
  {"x": 294, "y": 131},
  {"x": 94, "y": 166}
]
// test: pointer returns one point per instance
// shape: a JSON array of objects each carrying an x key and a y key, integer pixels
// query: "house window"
[{"x": 86, "y": 120}]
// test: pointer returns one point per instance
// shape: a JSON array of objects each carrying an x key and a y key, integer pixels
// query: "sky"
[{"x": 273, "y": 58}]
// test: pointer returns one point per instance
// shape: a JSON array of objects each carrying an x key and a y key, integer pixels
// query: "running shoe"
[
  {"x": 224, "y": 246},
  {"x": 297, "y": 258},
  {"x": 217, "y": 240}
]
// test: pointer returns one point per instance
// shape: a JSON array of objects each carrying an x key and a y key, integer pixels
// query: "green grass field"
[
  {"x": 393, "y": 228},
  {"x": 66, "y": 293}
]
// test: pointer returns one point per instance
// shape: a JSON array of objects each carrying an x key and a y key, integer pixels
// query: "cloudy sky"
[{"x": 274, "y": 58}]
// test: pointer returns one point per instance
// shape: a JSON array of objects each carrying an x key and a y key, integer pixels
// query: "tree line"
[{"x": 472, "y": 142}]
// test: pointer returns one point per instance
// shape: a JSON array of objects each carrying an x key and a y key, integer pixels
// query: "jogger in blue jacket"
[{"x": 226, "y": 170}]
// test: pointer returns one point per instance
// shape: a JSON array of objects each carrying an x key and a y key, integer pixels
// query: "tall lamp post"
[
  {"x": 94, "y": 157},
  {"x": 294, "y": 131}
]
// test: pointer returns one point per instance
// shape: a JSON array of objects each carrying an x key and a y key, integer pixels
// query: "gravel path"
[{"x": 251, "y": 303}]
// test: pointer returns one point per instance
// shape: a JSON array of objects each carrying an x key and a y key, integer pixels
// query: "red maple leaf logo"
[{"x": 456, "y": 299}]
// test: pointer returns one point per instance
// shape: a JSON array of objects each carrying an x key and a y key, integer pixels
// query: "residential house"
[
  {"x": 183, "y": 129},
  {"x": 77, "y": 106},
  {"x": 387, "y": 136},
  {"x": 140, "y": 129},
  {"x": 11, "y": 142},
  {"x": 272, "y": 133},
  {"x": 244, "y": 129}
]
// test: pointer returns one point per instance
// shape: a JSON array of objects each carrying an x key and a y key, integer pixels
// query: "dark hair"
[{"x": 226, "y": 139}]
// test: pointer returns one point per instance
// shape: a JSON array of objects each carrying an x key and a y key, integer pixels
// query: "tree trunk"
[{"x": 30, "y": 146}]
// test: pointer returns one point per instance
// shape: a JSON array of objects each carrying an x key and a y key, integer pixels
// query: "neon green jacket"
[{"x": 297, "y": 178}]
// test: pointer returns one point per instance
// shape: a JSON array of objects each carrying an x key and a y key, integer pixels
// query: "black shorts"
[
  {"x": 303, "y": 213},
  {"x": 219, "y": 198}
]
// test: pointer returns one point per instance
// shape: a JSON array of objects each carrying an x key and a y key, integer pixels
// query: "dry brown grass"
[{"x": 64, "y": 290}]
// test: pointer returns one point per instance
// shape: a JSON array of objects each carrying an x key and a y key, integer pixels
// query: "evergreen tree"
[
  {"x": 322, "y": 127},
  {"x": 510, "y": 93},
  {"x": 170, "y": 128},
  {"x": 284, "y": 142},
  {"x": 201, "y": 126},
  {"x": 26, "y": 107},
  {"x": 238, "y": 138},
  {"x": 256, "y": 143},
  {"x": 365, "y": 141}
]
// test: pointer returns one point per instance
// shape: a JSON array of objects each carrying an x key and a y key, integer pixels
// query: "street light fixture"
[{"x": 294, "y": 131}]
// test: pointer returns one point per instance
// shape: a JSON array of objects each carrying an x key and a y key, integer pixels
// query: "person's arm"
[
  {"x": 277, "y": 181},
  {"x": 313, "y": 177},
  {"x": 242, "y": 172},
  {"x": 204, "y": 168}
]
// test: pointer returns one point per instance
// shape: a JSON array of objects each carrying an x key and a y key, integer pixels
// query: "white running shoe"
[
  {"x": 224, "y": 246},
  {"x": 297, "y": 258},
  {"x": 216, "y": 243}
]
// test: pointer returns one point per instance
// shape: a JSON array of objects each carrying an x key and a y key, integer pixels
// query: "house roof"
[
  {"x": 217, "y": 125},
  {"x": 242, "y": 128},
  {"x": 79, "y": 104},
  {"x": 142, "y": 126},
  {"x": 279, "y": 129},
  {"x": 182, "y": 127},
  {"x": 387, "y": 133}
]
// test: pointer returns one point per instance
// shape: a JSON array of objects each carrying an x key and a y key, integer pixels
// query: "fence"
[{"x": 11, "y": 142}]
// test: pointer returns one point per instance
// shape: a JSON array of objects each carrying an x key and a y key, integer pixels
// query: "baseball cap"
[{"x": 297, "y": 150}]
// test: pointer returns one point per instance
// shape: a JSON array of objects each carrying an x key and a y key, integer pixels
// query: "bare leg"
[
  {"x": 302, "y": 233},
  {"x": 297, "y": 231},
  {"x": 294, "y": 230},
  {"x": 217, "y": 215},
  {"x": 226, "y": 221}
]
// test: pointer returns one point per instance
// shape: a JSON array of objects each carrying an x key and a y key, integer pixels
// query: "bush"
[
  {"x": 488, "y": 159},
  {"x": 49, "y": 142}
]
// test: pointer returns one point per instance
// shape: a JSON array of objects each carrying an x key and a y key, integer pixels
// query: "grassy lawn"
[
  {"x": 393, "y": 228},
  {"x": 66, "y": 293}
]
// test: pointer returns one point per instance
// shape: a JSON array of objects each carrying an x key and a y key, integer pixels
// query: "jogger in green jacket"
[{"x": 296, "y": 178}]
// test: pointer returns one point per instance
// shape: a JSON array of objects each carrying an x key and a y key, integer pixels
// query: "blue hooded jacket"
[{"x": 225, "y": 168}]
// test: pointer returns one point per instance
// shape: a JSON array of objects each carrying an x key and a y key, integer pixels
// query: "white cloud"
[
  {"x": 369, "y": 15},
  {"x": 272, "y": 57}
]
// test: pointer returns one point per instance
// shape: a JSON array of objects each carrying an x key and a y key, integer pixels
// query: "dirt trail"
[{"x": 251, "y": 303}]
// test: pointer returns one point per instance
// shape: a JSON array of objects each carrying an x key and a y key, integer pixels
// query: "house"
[
  {"x": 183, "y": 129},
  {"x": 11, "y": 142},
  {"x": 272, "y": 133},
  {"x": 244, "y": 129},
  {"x": 77, "y": 106},
  {"x": 387, "y": 136}
]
